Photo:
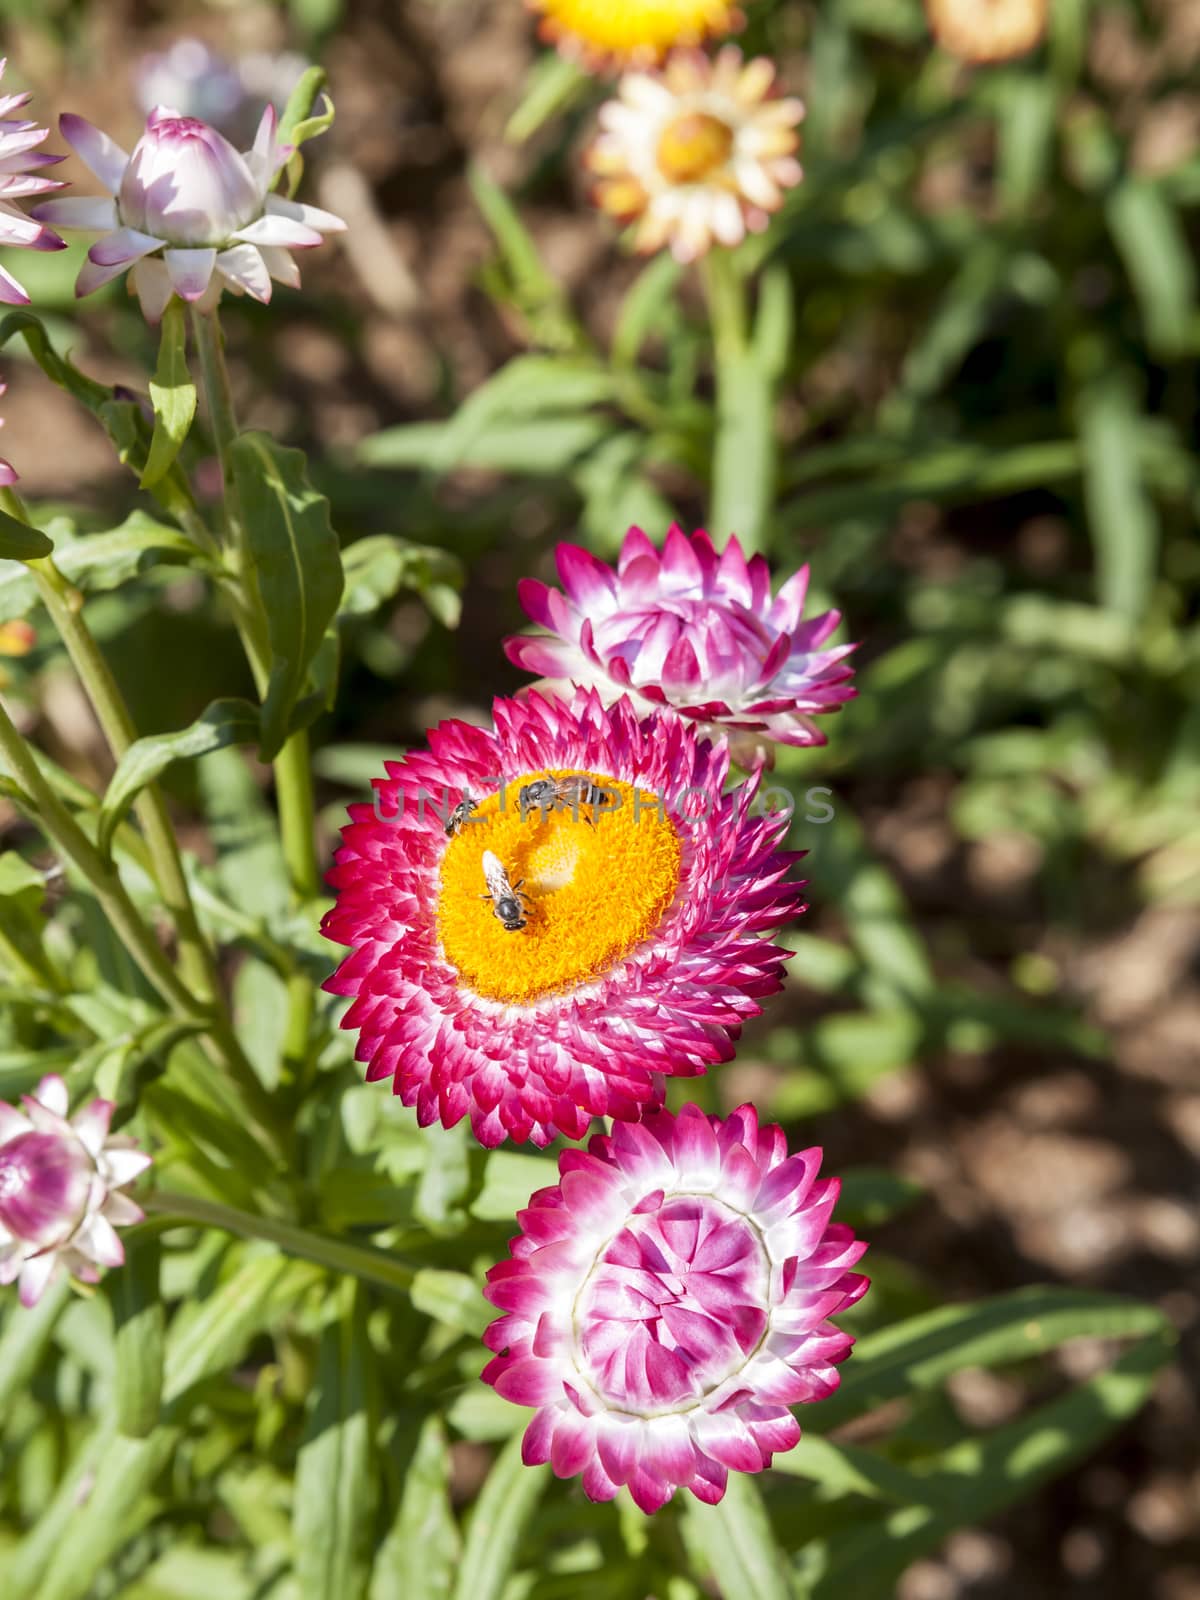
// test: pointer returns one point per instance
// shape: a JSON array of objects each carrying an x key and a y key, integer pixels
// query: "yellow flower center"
[
  {"x": 693, "y": 147},
  {"x": 592, "y": 882}
]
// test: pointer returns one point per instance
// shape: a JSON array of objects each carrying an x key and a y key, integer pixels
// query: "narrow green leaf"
[
  {"x": 1158, "y": 258},
  {"x": 535, "y": 447},
  {"x": 58, "y": 370},
  {"x": 26, "y": 1334},
  {"x": 172, "y": 393},
  {"x": 20, "y": 542},
  {"x": 509, "y": 1178},
  {"x": 23, "y": 1573},
  {"x": 643, "y": 308},
  {"x": 452, "y": 1299},
  {"x": 335, "y": 1480},
  {"x": 553, "y": 85},
  {"x": 299, "y": 123},
  {"x": 223, "y": 723},
  {"x": 298, "y": 567},
  {"x": 736, "y": 1541},
  {"x": 208, "y": 1337},
  {"x": 422, "y": 1548},
  {"x": 920, "y": 1353},
  {"x": 502, "y": 1513},
  {"x": 138, "y": 1326},
  {"x": 99, "y": 561},
  {"x": 1121, "y": 515}
]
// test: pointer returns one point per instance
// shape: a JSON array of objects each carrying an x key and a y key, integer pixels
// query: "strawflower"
[
  {"x": 689, "y": 629},
  {"x": 631, "y": 949},
  {"x": 187, "y": 212},
  {"x": 988, "y": 30},
  {"x": 8, "y": 473},
  {"x": 20, "y": 162},
  {"x": 632, "y": 32},
  {"x": 668, "y": 1300},
  {"x": 696, "y": 154},
  {"x": 60, "y": 1204}
]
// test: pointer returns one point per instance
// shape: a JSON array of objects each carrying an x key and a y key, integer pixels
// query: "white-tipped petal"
[
  {"x": 91, "y": 1125},
  {"x": 92, "y": 277},
  {"x": 154, "y": 288},
  {"x": 280, "y": 265},
  {"x": 102, "y": 155},
  {"x": 279, "y": 231},
  {"x": 310, "y": 216},
  {"x": 246, "y": 270},
  {"x": 97, "y": 1239},
  {"x": 191, "y": 271},
  {"x": 122, "y": 248},
  {"x": 92, "y": 212},
  {"x": 36, "y": 1274},
  {"x": 121, "y": 1164}
]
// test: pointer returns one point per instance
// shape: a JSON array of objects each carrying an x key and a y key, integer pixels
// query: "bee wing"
[{"x": 494, "y": 874}]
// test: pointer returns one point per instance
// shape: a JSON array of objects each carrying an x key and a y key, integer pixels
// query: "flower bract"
[{"x": 21, "y": 165}]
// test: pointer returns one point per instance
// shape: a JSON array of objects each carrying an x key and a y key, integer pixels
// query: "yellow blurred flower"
[
  {"x": 698, "y": 153},
  {"x": 988, "y": 30},
  {"x": 16, "y": 638},
  {"x": 633, "y": 32}
]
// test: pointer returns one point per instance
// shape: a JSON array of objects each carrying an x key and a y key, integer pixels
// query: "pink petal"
[{"x": 95, "y": 149}]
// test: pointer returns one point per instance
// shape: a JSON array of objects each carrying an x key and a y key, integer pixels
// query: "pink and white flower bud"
[
  {"x": 186, "y": 213},
  {"x": 668, "y": 1302},
  {"x": 59, "y": 1182},
  {"x": 186, "y": 184}
]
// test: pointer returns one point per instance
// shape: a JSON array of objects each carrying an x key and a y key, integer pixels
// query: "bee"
[
  {"x": 460, "y": 815},
  {"x": 565, "y": 794},
  {"x": 506, "y": 897}
]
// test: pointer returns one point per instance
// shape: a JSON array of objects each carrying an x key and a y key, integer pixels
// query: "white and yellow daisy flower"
[{"x": 698, "y": 153}]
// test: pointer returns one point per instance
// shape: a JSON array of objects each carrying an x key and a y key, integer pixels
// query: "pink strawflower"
[
  {"x": 668, "y": 1300},
  {"x": 690, "y": 629},
  {"x": 59, "y": 1182},
  {"x": 632, "y": 946},
  {"x": 19, "y": 166},
  {"x": 187, "y": 212}
]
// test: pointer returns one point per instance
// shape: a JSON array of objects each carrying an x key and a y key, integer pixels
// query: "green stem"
[
  {"x": 136, "y": 935},
  {"x": 64, "y": 605},
  {"x": 292, "y": 766},
  {"x": 744, "y": 465},
  {"x": 338, "y": 1255}
]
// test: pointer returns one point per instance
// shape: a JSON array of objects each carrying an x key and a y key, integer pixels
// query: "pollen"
[
  {"x": 595, "y": 880},
  {"x": 694, "y": 147}
]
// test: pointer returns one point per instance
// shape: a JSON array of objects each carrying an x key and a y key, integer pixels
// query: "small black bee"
[
  {"x": 459, "y": 815},
  {"x": 506, "y": 897},
  {"x": 564, "y": 794}
]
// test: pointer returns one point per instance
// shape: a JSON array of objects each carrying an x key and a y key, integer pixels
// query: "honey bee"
[
  {"x": 565, "y": 794},
  {"x": 460, "y": 815},
  {"x": 506, "y": 897}
]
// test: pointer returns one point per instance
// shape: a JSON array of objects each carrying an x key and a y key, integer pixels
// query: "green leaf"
[
  {"x": 920, "y": 1353},
  {"x": 298, "y": 123},
  {"x": 137, "y": 1309},
  {"x": 980, "y": 1477},
  {"x": 223, "y": 723},
  {"x": 298, "y": 567},
  {"x": 1121, "y": 515},
  {"x": 644, "y": 308},
  {"x": 1158, "y": 258},
  {"x": 553, "y": 85},
  {"x": 496, "y": 1531},
  {"x": 452, "y": 1299},
  {"x": 98, "y": 561},
  {"x": 534, "y": 447},
  {"x": 530, "y": 284},
  {"x": 209, "y": 1336},
  {"x": 529, "y": 386},
  {"x": 26, "y": 1335},
  {"x": 380, "y": 565},
  {"x": 30, "y": 327},
  {"x": 422, "y": 1548},
  {"x": 335, "y": 1477},
  {"x": 508, "y": 1181},
  {"x": 736, "y": 1541},
  {"x": 172, "y": 393},
  {"x": 20, "y": 542}
]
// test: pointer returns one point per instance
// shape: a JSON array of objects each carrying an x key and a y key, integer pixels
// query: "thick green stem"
[
  {"x": 136, "y": 935},
  {"x": 743, "y": 470},
  {"x": 62, "y": 602},
  {"x": 293, "y": 770},
  {"x": 337, "y": 1254}
]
